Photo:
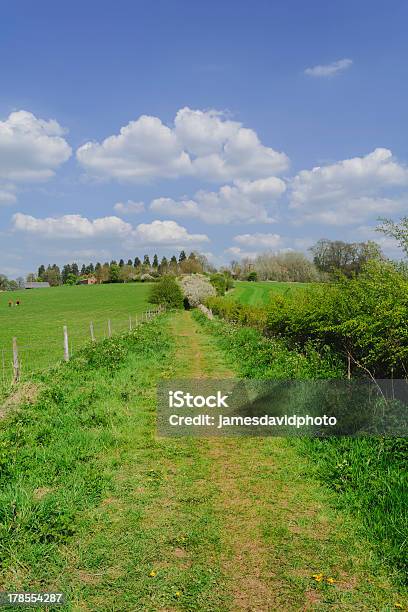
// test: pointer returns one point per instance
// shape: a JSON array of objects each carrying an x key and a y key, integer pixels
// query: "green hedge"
[{"x": 364, "y": 319}]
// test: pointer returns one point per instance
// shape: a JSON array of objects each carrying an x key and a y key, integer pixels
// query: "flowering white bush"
[
  {"x": 146, "y": 277},
  {"x": 196, "y": 289}
]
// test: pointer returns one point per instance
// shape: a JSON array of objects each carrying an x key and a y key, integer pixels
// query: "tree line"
[
  {"x": 328, "y": 259},
  {"x": 123, "y": 271}
]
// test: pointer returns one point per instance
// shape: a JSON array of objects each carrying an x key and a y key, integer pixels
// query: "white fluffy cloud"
[
  {"x": 69, "y": 227},
  {"x": 259, "y": 240},
  {"x": 223, "y": 150},
  {"x": 238, "y": 253},
  {"x": 242, "y": 202},
  {"x": 202, "y": 144},
  {"x": 144, "y": 149},
  {"x": 129, "y": 207},
  {"x": 328, "y": 70},
  {"x": 350, "y": 190},
  {"x": 166, "y": 233},
  {"x": 30, "y": 148}
]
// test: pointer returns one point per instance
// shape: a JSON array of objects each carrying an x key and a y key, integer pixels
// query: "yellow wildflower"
[
  {"x": 399, "y": 606},
  {"x": 318, "y": 577},
  {"x": 178, "y": 593},
  {"x": 152, "y": 573},
  {"x": 331, "y": 580}
]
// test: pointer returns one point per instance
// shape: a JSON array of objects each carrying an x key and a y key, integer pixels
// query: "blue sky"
[{"x": 263, "y": 93}]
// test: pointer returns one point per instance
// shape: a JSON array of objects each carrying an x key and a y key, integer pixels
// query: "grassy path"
[
  {"x": 278, "y": 526},
  {"x": 216, "y": 525}
]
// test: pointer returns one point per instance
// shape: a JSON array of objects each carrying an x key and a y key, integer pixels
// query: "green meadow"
[
  {"x": 38, "y": 322},
  {"x": 95, "y": 505},
  {"x": 257, "y": 293}
]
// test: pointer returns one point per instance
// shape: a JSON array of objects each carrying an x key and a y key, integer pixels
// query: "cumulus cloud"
[
  {"x": 349, "y": 190},
  {"x": 129, "y": 207},
  {"x": 239, "y": 253},
  {"x": 242, "y": 202},
  {"x": 144, "y": 149},
  {"x": 328, "y": 70},
  {"x": 223, "y": 150},
  {"x": 78, "y": 227},
  {"x": 267, "y": 241},
  {"x": 71, "y": 226},
  {"x": 201, "y": 144},
  {"x": 166, "y": 233},
  {"x": 31, "y": 149}
]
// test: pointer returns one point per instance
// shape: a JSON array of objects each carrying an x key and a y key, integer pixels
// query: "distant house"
[
  {"x": 37, "y": 285},
  {"x": 91, "y": 280}
]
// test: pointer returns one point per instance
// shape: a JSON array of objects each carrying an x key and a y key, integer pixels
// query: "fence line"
[{"x": 15, "y": 359}]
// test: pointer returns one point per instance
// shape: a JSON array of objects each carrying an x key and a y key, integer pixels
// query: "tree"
[
  {"x": 121, "y": 263},
  {"x": 155, "y": 261},
  {"x": 52, "y": 275},
  {"x": 219, "y": 282},
  {"x": 75, "y": 269},
  {"x": 398, "y": 231},
  {"x": 137, "y": 263},
  {"x": 196, "y": 289},
  {"x": 146, "y": 261},
  {"x": 4, "y": 282},
  {"x": 41, "y": 272},
  {"x": 127, "y": 273},
  {"x": 114, "y": 271},
  {"x": 31, "y": 277},
  {"x": 252, "y": 276},
  {"x": 129, "y": 263},
  {"x": 347, "y": 257},
  {"x": 182, "y": 256},
  {"x": 191, "y": 264},
  {"x": 167, "y": 292},
  {"x": 173, "y": 265},
  {"x": 66, "y": 272},
  {"x": 102, "y": 273},
  {"x": 164, "y": 266},
  {"x": 71, "y": 279},
  {"x": 83, "y": 270}
]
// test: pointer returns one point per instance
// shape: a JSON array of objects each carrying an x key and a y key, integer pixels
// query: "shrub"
[
  {"x": 196, "y": 289},
  {"x": 146, "y": 278},
  {"x": 218, "y": 281},
  {"x": 167, "y": 292},
  {"x": 252, "y": 276}
]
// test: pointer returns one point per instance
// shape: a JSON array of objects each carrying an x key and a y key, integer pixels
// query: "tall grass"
[{"x": 53, "y": 448}]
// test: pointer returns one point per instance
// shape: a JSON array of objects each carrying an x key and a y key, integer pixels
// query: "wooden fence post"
[
  {"x": 109, "y": 328},
  {"x": 16, "y": 365},
  {"x": 66, "y": 346},
  {"x": 91, "y": 329}
]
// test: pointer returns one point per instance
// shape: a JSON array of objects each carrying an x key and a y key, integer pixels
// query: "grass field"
[
  {"x": 257, "y": 293},
  {"x": 95, "y": 505},
  {"x": 37, "y": 323}
]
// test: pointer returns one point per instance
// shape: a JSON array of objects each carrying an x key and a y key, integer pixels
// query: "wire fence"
[{"x": 20, "y": 360}]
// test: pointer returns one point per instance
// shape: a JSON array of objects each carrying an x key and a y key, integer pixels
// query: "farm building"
[
  {"x": 37, "y": 285},
  {"x": 91, "y": 280}
]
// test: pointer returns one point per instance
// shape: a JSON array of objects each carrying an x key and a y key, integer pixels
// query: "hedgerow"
[{"x": 364, "y": 319}]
